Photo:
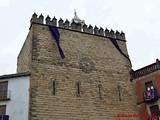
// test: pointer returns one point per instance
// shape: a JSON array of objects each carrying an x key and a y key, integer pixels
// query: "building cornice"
[{"x": 15, "y": 75}]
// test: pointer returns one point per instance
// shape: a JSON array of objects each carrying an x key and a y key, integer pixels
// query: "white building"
[{"x": 14, "y": 96}]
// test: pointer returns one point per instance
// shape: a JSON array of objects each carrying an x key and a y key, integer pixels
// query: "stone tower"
[{"x": 91, "y": 80}]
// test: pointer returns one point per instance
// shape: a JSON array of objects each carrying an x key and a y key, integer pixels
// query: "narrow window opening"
[
  {"x": 149, "y": 85},
  {"x": 54, "y": 88},
  {"x": 78, "y": 89},
  {"x": 119, "y": 93},
  {"x": 99, "y": 91}
]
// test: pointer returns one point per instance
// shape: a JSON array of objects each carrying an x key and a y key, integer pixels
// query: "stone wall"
[
  {"x": 90, "y": 60},
  {"x": 24, "y": 57}
]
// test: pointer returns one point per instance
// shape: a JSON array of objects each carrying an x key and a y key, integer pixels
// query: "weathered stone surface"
[
  {"x": 104, "y": 65},
  {"x": 24, "y": 57}
]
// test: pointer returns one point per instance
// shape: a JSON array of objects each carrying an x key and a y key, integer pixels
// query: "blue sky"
[{"x": 138, "y": 19}]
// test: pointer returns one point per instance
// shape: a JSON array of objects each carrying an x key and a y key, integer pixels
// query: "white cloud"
[
  {"x": 136, "y": 65},
  {"x": 4, "y": 3},
  {"x": 10, "y": 52},
  {"x": 149, "y": 8},
  {"x": 79, "y": 6},
  {"x": 152, "y": 56},
  {"x": 15, "y": 46},
  {"x": 8, "y": 64},
  {"x": 43, "y": 10}
]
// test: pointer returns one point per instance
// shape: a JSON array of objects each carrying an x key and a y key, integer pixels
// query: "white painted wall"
[{"x": 18, "y": 106}]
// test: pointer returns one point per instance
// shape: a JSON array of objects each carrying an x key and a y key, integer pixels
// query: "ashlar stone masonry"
[{"x": 90, "y": 83}]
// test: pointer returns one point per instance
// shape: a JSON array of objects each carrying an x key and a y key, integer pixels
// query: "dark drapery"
[
  {"x": 56, "y": 35},
  {"x": 113, "y": 40},
  {"x": 4, "y": 117},
  {"x": 150, "y": 95}
]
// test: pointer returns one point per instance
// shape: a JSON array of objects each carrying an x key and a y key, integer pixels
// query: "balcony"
[
  {"x": 4, "y": 117},
  {"x": 150, "y": 95},
  {"x": 154, "y": 117},
  {"x": 5, "y": 95}
]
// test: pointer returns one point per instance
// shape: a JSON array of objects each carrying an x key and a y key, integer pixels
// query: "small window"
[
  {"x": 54, "y": 87},
  {"x": 155, "y": 110},
  {"x": 3, "y": 89},
  {"x": 78, "y": 89},
  {"x": 149, "y": 85},
  {"x": 119, "y": 93},
  {"x": 99, "y": 91},
  {"x": 2, "y": 109}
]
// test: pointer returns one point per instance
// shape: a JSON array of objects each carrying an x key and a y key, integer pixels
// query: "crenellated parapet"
[
  {"x": 73, "y": 25},
  {"x": 37, "y": 19},
  {"x": 52, "y": 22}
]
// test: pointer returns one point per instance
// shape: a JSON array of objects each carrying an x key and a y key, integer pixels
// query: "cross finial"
[
  {"x": 76, "y": 19},
  {"x": 75, "y": 13}
]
